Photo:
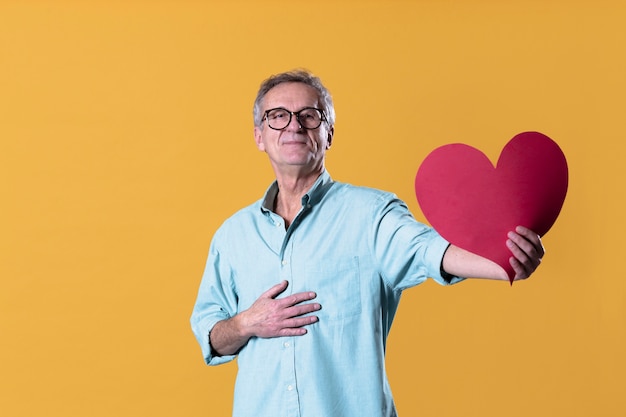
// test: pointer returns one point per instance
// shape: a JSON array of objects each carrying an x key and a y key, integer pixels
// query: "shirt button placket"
[{"x": 292, "y": 402}]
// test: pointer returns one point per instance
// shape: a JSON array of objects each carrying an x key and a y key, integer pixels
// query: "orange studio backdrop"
[{"x": 126, "y": 139}]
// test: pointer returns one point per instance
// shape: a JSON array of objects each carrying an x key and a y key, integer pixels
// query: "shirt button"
[
  {"x": 289, "y": 387},
  {"x": 284, "y": 262},
  {"x": 286, "y": 344}
]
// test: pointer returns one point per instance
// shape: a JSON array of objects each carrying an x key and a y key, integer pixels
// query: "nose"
[{"x": 294, "y": 123}]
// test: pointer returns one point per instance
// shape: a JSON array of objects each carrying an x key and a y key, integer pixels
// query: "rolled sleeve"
[
  {"x": 409, "y": 252},
  {"x": 201, "y": 327},
  {"x": 439, "y": 246},
  {"x": 216, "y": 301}
]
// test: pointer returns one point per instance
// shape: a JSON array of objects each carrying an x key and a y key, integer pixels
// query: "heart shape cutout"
[{"x": 473, "y": 204}]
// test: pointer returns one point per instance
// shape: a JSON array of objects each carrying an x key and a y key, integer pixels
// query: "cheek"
[
  {"x": 321, "y": 140},
  {"x": 325, "y": 142},
  {"x": 318, "y": 144}
]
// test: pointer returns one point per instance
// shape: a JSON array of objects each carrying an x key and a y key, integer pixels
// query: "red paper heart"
[{"x": 474, "y": 205}]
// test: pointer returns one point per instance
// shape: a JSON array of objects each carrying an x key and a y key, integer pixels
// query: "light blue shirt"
[{"x": 357, "y": 248}]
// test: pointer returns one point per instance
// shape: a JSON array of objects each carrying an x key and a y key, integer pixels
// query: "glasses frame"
[{"x": 297, "y": 114}]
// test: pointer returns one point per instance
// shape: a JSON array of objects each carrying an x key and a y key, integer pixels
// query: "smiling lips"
[{"x": 294, "y": 141}]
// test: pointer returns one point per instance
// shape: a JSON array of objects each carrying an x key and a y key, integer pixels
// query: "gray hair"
[{"x": 295, "y": 76}]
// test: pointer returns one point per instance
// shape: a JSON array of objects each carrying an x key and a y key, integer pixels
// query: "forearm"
[
  {"x": 227, "y": 336},
  {"x": 461, "y": 263}
]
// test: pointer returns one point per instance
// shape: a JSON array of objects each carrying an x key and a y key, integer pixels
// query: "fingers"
[
  {"x": 293, "y": 299},
  {"x": 270, "y": 316},
  {"x": 301, "y": 310},
  {"x": 296, "y": 326},
  {"x": 521, "y": 271},
  {"x": 527, "y": 250},
  {"x": 276, "y": 290},
  {"x": 536, "y": 247},
  {"x": 297, "y": 298},
  {"x": 292, "y": 310}
]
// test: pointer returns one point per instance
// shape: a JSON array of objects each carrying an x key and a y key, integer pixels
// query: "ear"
[
  {"x": 331, "y": 132},
  {"x": 258, "y": 139}
]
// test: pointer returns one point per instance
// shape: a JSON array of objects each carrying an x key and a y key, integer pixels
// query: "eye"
[
  {"x": 278, "y": 114},
  {"x": 309, "y": 114}
]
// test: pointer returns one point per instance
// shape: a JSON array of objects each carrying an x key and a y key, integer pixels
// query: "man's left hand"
[{"x": 527, "y": 250}]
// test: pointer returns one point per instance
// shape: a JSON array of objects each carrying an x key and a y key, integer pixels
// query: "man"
[{"x": 304, "y": 284}]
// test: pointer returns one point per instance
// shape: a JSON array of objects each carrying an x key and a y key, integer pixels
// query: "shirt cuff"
[{"x": 444, "y": 277}]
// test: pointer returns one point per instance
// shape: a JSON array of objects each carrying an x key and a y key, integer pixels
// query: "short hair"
[{"x": 295, "y": 76}]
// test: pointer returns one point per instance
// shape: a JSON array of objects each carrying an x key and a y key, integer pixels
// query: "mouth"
[{"x": 294, "y": 142}]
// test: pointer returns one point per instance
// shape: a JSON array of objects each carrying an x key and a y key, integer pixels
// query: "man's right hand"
[
  {"x": 271, "y": 317},
  {"x": 267, "y": 317}
]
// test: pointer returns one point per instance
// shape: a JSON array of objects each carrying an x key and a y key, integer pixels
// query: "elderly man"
[{"x": 303, "y": 285}]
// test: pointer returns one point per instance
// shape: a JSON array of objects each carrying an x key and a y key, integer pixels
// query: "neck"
[{"x": 291, "y": 189}]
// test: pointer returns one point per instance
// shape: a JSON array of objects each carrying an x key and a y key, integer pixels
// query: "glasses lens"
[
  {"x": 278, "y": 118},
  {"x": 310, "y": 118}
]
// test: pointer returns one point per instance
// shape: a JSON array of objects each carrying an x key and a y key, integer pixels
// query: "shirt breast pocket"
[{"x": 338, "y": 287}]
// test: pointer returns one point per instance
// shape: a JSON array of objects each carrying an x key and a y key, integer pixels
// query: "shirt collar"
[{"x": 312, "y": 197}]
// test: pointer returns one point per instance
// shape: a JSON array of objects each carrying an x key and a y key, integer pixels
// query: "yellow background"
[{"x": 126, "y": 139}]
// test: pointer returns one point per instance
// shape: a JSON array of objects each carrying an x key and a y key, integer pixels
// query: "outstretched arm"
[
  {"x": 267, "y": 317},
  {"x": 526, "y": 250}
]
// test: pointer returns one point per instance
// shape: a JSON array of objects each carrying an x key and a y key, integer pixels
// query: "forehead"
[{"x": 292, "y": 96}]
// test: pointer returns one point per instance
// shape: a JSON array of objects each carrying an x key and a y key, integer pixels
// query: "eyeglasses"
[{"x": 308, "y": 118}]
